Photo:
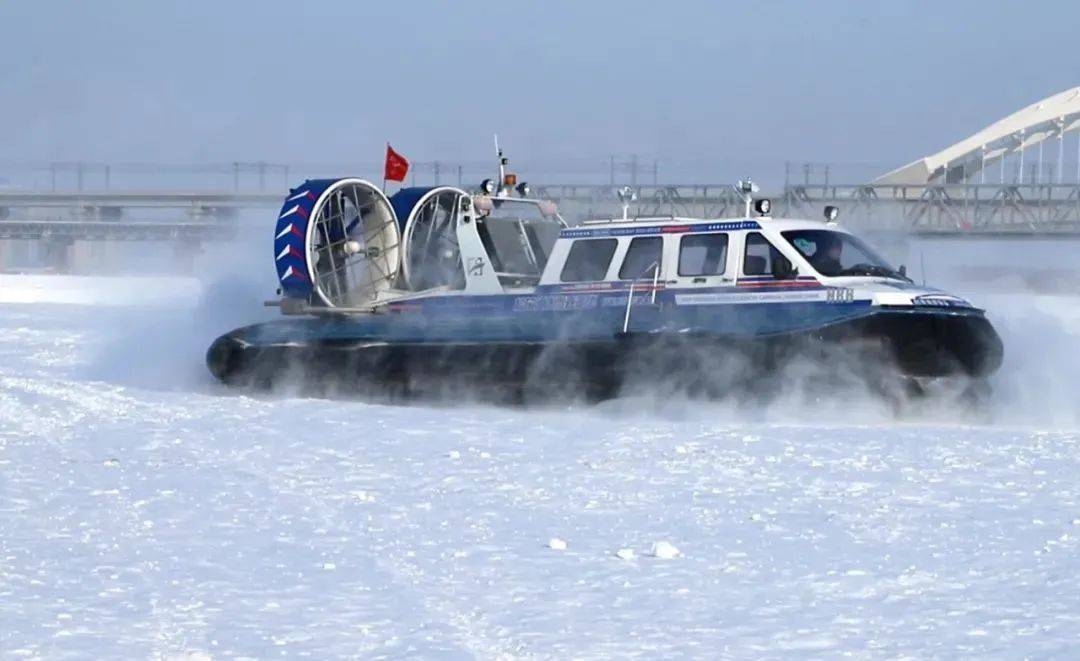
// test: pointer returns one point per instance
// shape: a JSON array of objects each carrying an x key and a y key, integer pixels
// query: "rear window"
[
  {"x": 703, "y": 254},
  {"x": 640, "y": 256},
  {"x": 588, "y": 260}
]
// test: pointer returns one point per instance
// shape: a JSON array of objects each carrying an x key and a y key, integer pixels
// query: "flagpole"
[{"x": 384, "y": 168}]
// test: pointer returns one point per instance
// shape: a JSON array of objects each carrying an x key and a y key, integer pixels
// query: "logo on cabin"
[{"x": 476, "y": 266}]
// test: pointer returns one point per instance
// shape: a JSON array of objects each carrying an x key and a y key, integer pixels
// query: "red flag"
[{"x": 397, "y": 166}]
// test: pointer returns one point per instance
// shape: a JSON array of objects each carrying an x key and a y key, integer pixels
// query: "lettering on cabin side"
[{"x": 555, "y": 303}]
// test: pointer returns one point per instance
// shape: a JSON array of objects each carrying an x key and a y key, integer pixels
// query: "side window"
[
  {"x": 640, "y": 256},
  {"x": 759, "y": 255},
  {"x": 588, "y": 260},
  {"x": 703, "y": 254}
]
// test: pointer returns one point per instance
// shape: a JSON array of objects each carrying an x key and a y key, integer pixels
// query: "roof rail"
[{"x": 636, "y": 219}]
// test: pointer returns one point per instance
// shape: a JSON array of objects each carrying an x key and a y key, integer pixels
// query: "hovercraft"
[{"x": 439, "y": 287}]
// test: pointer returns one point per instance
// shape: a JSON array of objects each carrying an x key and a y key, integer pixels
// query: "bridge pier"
[
  {"x": 184, "y": 256},
  {"x": 56, "y": 253}
]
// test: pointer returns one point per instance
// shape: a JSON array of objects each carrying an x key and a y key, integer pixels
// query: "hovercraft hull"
[{"x": 399, "y": 354}]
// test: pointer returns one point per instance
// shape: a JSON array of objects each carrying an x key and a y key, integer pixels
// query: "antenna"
[{"x": 502, "y": 162}]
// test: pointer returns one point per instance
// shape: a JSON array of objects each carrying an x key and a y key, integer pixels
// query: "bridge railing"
[
  {"x": 1029, "y": 208},
  {"x": 948, "y": 208}
]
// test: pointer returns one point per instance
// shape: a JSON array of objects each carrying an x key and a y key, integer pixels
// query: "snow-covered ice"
[
  {"x": 664, "y": 550},
  {"x": 147, "y": 512},
  {"x": 625, "y": 554}
]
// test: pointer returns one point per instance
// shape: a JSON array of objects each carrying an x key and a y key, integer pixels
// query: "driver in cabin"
[{"x": 827, "y": 257}]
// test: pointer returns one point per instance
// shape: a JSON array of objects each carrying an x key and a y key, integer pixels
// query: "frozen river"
[{"x": 146, "y": 511}]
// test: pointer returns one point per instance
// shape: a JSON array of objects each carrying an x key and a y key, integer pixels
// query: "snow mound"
[
  {"x": 557, "y": 544},
  {"x": 664, "y": 550}
]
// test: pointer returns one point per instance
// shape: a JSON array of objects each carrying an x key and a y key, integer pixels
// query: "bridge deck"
[{"x": 985, "y": 209}]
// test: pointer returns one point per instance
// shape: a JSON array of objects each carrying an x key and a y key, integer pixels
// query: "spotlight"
[{"x": 747, "y": 187}]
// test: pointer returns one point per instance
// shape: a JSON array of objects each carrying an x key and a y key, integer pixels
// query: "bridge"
[
  {"x": 998, "y": 182},
  {"x": 137, "y": 215}
]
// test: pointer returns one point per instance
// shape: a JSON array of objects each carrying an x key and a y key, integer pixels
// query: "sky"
[{"x": 690, "y": 84}]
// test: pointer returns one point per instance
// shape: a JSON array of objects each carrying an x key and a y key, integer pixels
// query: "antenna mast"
[{"x": 502, "y": 163}]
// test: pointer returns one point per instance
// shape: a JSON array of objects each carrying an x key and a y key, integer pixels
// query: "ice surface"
[
  {"x": 88, "y": 290},
  {"x": 147, "y": 512}
]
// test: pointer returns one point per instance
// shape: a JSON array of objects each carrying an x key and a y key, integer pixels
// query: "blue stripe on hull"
[{"x": 485, "y": 322}]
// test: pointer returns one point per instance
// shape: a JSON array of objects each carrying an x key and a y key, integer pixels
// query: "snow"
[
  {"x": 664, "y": 550},
  {"x": 147, "y": 512}
]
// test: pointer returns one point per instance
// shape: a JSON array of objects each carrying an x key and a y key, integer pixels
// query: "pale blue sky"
[{"x": 695, "y": 82}]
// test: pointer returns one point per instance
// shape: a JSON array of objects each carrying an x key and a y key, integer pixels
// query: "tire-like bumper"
[
  {"x": 932, "y": 342},
  {"x": 914, "y": 341}
]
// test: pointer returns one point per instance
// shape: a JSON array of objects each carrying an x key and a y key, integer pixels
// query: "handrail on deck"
[{"x": 655, "y": 267}]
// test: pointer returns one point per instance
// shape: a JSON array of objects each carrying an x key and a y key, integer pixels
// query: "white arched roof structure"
[{"x": 1052, "y": 117}]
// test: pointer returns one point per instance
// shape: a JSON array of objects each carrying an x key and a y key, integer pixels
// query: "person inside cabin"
[{"x": 826, "y": 259}]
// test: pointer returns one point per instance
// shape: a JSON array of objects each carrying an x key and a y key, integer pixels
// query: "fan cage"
[
  {"x": 353, "y": 244},
  {"x": 432, "y": 257}
]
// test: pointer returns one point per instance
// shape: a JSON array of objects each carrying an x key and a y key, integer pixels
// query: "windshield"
[
  {"x": 838, "y": 253},
  {"x": 518, "y": 237}
]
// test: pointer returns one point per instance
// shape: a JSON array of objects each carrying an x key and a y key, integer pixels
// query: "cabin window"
[
  {"x": 703, "y": 254},
  {"x": 542, "y": 236},
  {"x": 643, "y": 253},
  {"x": 759, "y": 255},
  {"x": 588, "y": 260}
]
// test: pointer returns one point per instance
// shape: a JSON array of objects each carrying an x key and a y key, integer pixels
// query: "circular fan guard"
[
  {"x": 353, "y": 244},
  {"x": 432, "y": 255}
]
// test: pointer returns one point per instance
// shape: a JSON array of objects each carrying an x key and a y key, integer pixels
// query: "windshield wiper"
[{"x": 876, "y": 270}]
